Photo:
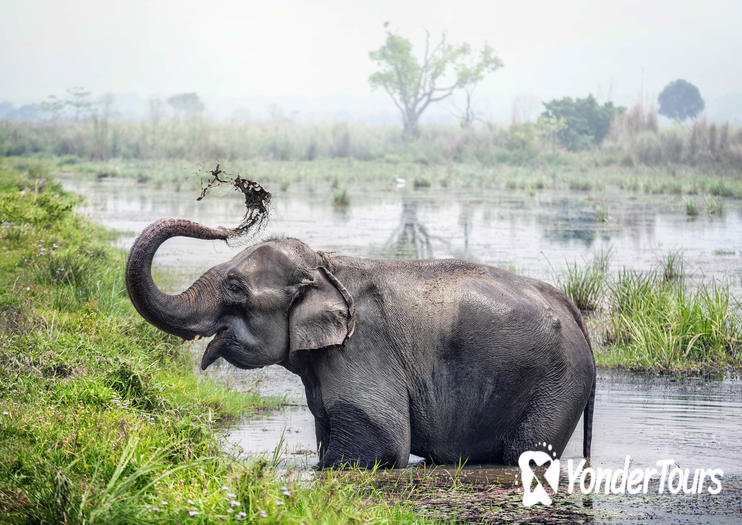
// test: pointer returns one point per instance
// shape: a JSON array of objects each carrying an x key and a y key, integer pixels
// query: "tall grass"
[
  {"x": 635, "y": 138},
  {"x": 662, "y": 325},
  {"x": 658, "y": 323},
  {"x": 584, "y": 284},
  {"x": 655, "y": 320}
]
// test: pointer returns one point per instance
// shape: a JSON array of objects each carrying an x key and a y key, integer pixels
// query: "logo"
[
  {"x": 527, "y": 462},
  {"x": 540, "y": 469}
]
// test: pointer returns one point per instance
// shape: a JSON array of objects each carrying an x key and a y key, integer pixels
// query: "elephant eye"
[{"x": 233, "y": 286}]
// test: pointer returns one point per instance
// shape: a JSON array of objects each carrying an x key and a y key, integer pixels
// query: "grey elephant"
[{"x": 444, "y": 359}]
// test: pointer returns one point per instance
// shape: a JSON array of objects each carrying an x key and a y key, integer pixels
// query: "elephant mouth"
[
  {"x": 225, "y": 344},
  {"x": 216, "y": 346}
]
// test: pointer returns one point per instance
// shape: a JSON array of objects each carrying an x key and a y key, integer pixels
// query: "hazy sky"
[{"x": 243, "y": 49}]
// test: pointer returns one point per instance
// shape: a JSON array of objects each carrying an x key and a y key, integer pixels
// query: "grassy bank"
[
  {"x": 656, "y": 321},
  {"x": 101, "y": 419}
]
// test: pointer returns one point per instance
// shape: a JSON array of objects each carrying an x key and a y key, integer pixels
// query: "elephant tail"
[{"x": 587, "y": 436}]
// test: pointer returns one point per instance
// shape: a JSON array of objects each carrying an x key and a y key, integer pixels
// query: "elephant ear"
[{"x": 323, "y": 315}]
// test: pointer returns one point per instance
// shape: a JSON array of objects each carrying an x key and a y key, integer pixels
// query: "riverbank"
[{"x": 102, "y": 419}]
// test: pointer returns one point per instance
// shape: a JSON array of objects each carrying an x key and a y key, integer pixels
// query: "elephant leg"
[
  {"x": 549, "y": 419},
  {"x": 322, "y": 432},
  {"x": 365, "y": 437}
]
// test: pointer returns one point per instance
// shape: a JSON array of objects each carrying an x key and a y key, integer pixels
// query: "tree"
[
  {"x": 585, "y": 122},
  {"x": 53, "y": 105},
  {"x": 413, "y": 86},
  {"x": 187, "y": 104},
  {"x": 680, "y": 100},
  {"x": 79, "y": 101}
]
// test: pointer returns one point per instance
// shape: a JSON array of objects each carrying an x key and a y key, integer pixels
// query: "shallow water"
[{"x": 695, "y": 422}]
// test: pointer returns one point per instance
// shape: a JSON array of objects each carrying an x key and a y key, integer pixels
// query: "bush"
[{"x": 587, "y": 122}]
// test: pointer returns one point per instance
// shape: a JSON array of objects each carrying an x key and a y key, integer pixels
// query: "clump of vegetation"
[
  {"x": 584, "y": 284},
  {"x": 421, "y": 182},
  {"x": 691, "y": 209},
  {"x": 101, "y": 417},
  {"x": 340, "y": 198},
  {"x": 658, "y": 324},
  {"x": 714, "y": 206},
  {"x": 601, "y": 213},
  {"x": 672, "y": 265},
  {"x": 586, "y": 122}
]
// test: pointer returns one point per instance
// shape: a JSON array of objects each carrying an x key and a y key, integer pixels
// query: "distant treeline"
[{"x": 632, "y": 137}]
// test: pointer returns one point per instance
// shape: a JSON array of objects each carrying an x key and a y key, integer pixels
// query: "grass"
[
  {"x": 691, "y": 208},
  {"x": 671, "y": 266},
  {"x": 584, "y": 284},
  {"x": 634, "y": 139},
  {"x": 585, "y": 172},
  {"x": 714, "y": 206},
  {"x": 662, "y": 325},
  {"x": 655, "y": 321},
  {"x": 340, "y": 198},
  {"x": 102, "y": 419}
]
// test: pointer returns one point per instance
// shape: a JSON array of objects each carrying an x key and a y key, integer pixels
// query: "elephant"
[{"x": 445, "y": 359}]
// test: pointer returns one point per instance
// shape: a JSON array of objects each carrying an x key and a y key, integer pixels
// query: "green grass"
[
  {"x": 655, "y": 321},
  {"x": 672, "y": 266},
  {"x": 714, "y": 206},
  {"x": 584, "y": 284},
  {"x": 633, "y": 141},
  {"x": 584, "y": 175},
  {"x": 660, "y": 324},
  {"x": 691, "y": 209},
  {"x": 340, "y": 198},
  {"x": 101, "y": 417}
]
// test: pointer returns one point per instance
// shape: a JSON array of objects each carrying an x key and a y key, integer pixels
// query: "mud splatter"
[{"x": 257, "y": 199}]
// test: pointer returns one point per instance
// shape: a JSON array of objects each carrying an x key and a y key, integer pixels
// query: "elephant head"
[{"x": 270, "y": 300}]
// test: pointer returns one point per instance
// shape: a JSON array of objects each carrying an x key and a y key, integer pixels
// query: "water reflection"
[{"x": 409, "y": 240}]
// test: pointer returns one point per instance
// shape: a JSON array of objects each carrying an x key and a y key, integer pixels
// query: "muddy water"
[{"x": 697, "y": 423}]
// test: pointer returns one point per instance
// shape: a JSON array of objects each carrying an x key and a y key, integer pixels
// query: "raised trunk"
[{"x": 187, "y": 314}]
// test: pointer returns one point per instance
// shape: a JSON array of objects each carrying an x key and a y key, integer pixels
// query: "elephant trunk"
[{"x": 188, "y": 314}]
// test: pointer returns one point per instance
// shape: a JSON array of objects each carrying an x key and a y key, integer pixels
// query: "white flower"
[
  {"x": 192, "y": 513},
  {"x": 190, "y": 502},
  {"x": 279, "y": 503},
  {"x": 262, "y": 514},
  {"x": 234, "y": 503},
  {"x": 230, "y": 495},
  {"x": 5, "y": 413},
  {"x": 287, "y": 493},
  {"x": 156, "y": 509},
  {"x": 230, "y": 511},
  {"x": 163, "y": 502},
  {"x": 225, "y": 488}
]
